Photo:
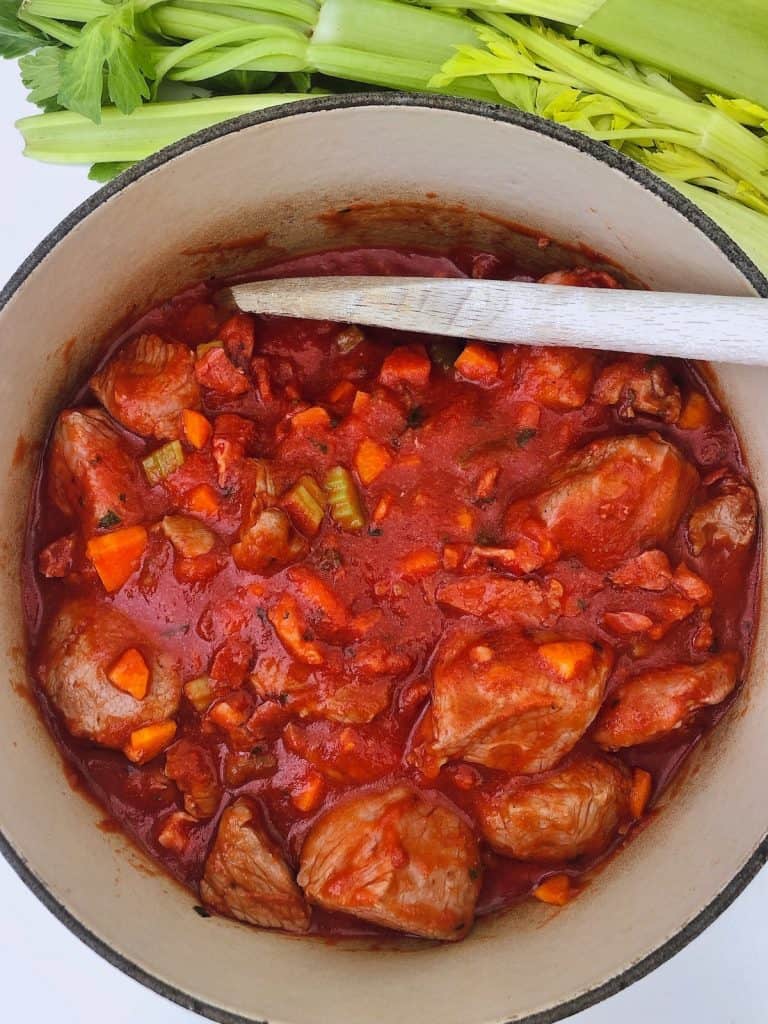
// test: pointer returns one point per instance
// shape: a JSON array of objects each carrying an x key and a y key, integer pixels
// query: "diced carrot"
[
  {"x": 528, "y": 416},
  {"x": 204, "y": 500},
  {"x": 290, "y": 627},
  {"x": 309, "y": 419},
  {"x": 116, "y": 556},
  {"x": 130, "y": 673},
  {"x": 566, "y": 656},
  {"x": 487, "y": 482},
  {"x": 149, "y": 741},
  {"x": 197, "y": 429},
  {"x": 311, "y": 793},
  {"x": 343, "y": 392},
  {"x": 406, "y": 365},
  {"x": 451, "y": 556},
  {"x": 696, "y": 412},
  {"x": 478, "y": 363},
  {"x": 382, "y": 508},
  {"x": 371, "y": 460},
  {"x": 361, "y": 403},
  {"x": 465, "y": 519},
  {"x": 555, "y": 890},
  {"x": 421, "y": 562},
  {"x": 640, "y": 792}
]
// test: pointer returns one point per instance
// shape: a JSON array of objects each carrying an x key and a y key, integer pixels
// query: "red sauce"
[{"x": 454, "y": 430}]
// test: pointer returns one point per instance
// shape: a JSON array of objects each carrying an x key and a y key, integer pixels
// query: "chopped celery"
[
  {"x": 343, "y": 499},
  {"x": 200, "y": 693},
  {"x": 207, "y": 346},
  {"x": 163, "y": 461},
  {"x": 305, "y": 503}
]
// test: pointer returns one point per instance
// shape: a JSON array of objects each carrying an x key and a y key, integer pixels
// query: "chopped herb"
[
  {"x": 524, "y": 436},
  {"x": 122, "y": 498},
  {"x": 321, "y": 446},
  {"x": 257, "y": 750},
  {"x": 474, "y": 873},
  {"x": 283, "y": 698},
  {"x": 109, "y": 520},
  {"x": 201, "y": 911},
  {"x": 484, "y": 540},
  {"x": 583, "y": 605},
  {"x": 416, "y": 417},
  {"x": 445, "y": 352},
  {"x": 262, "y": 614},
  {"x": 375, "y": 531}
]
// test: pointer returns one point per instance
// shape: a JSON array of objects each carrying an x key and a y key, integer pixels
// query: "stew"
[{"x": 358, "y": 632}]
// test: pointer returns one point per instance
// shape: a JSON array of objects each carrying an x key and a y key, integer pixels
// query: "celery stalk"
[
  {"x": 570, "y": 12},
  {"x": 64, "y": 137},
  {"x": 721, "y": 45}
]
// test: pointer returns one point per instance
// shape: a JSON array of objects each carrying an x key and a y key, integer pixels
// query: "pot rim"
[{"x": 599, "y": 151}]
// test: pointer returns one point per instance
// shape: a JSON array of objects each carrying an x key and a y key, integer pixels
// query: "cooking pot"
[{"x": 330, "y": 173}]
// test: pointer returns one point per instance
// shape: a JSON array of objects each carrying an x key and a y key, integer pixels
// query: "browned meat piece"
[
  {"x": 193, "y": 770},
  {"x": 573, "y": 812},
  {"x": 83, "y": 643},
  {"x": 56, "y": 560},
  {"x": 246, "y": 876},
  {"x": 639, "y": 385},
  {"x": 609, "y": 502},
  {"x": 649, "y": 571},
  {"x": 654, "y": 703},
  {"x": 727, "y": 520},
  {"x": 581, "y": 277},
  {"x": 147, "y": 384},
  {"x": 557, "y": 378},
  {"x": 396, "y": 858},
  {"x": 93, "y": 475},
  {"x": 216, "y": 372},
  {"x": 504, "y": 601},
  {"x": 268, "y": 542},
  {"x": 501, "y": 700}
]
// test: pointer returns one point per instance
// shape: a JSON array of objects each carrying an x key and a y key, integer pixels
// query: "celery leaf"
[
  {"x": 16, "y": 37},
  {"x": 41, "y": 73}
]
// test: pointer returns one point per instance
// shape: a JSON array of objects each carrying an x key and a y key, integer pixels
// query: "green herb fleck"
[
  {"x": 201, "y": 911},
  {"x": 109, "y": 520},
  {"x": 416, "y": 417},
  {"x": 524, "y": 436},
  {"x": 375, "y": 531}
]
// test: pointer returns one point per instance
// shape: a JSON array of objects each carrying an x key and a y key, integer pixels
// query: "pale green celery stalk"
[
  {"x": 64, "y": 137},
  {"x": 182, "y": 23},
  {"x": 249, "y": 15},
  {"x": 722, "y": 44},
  {"x": 297, "y": 10},
  {"x": 66, "y": 10},
  {"x": 721, "y": 139},
  {"x": 390, "y": 44},
  {"x": 746, "y": 227},
  {"x": 569, "y": 12},
  {"x": 54, "y": 29},
  {"x": 283, "y": 55},
  {"x": 249, "y": 33}
]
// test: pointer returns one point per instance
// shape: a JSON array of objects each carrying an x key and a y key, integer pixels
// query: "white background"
[{"x": 47, "y": 975}]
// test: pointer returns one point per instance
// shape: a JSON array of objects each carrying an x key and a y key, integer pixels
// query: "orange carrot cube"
[
  {"x": 309, "y": 796},
  {"x": 148, "y": 742},
  {"x": 197, "y": 429},
  {"x": 116, "y": 556},
  {"x": 478, "y": 363},
  {"x": 343, "y": 392},
  {"x": 361, "y": 403},
  {"x": 408, "y": 364},
  {"x": 371, "y": 460},
  {"x": 421, "y": 562},
  {"x": 203, "y": 500},
  {"x": 640, "y": 793},
  {"x": 313, "y": 418},
  {"x": 130, "y": 673},
  {"x": 555, "y": 890},
  {"x": 696, "y": 412}
]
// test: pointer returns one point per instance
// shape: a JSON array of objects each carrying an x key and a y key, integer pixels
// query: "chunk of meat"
[
  {"x": 727, "y": 520},
  {"x": 246, "y": 876},
  {"x": 216, "y": 372},
  {"x": 238, "y": 335},
  {"x": 268, "y": 543},
  {"x": 654, "y": 703},
  {"x": 573, "y": 812},
  {"x": 147, "y": 384},
  {"x": 610, "y": 501},
  {"x": 395, "y": 858},
  {"x": 649, "y": 571},
  {"x": 193, "y": 769},
  {"x": 502, "y": 700},
  {"x": 82, "y": 644},
  {"x": 57, "y": 559},
  {"x": 506, "y": 602},
  {"x": 581, "y": 277},
  {"x": 639, "y": 385},
  {"x": 93, "y": 475},
  {"x": 557, "y": 378}
]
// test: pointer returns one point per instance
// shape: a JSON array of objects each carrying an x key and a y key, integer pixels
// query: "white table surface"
[{"x": 47, "y": 975}]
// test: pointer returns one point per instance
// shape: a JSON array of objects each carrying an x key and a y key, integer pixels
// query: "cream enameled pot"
[{"x": 300, "y": 178}]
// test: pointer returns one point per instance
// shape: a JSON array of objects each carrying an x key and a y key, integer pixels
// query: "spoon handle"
[{"x": 721, "y": 328}]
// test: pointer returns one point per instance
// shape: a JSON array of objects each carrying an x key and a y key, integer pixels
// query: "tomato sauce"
[{"x": 441, "y": 440}]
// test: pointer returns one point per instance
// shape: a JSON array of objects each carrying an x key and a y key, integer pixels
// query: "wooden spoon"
[{"x": 720, "y": 328}]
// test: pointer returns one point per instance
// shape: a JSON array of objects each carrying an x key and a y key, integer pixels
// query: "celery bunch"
[{"x": 119, "y": 79}]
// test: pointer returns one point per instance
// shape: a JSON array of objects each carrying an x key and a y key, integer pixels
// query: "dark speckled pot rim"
[{"x": 599, "y": 151}]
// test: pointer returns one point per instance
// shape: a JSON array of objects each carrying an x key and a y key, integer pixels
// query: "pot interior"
[{"x": 364, "y": 174}]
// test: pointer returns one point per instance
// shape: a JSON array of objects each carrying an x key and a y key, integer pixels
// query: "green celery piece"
[
  {"x": 68, "y": 10},
  {"x": 302, "y": 11},
  {"x": 41, "y": 73},
  {"x": 344, "y": 499},
  {"x": 163, "y": 462},
  {"x": 187, "y": 23},
  {"x": 264, "y": 54},
  {"x": 106, "y": 171},
  {"x": 570, "y": 12},
  {"x": 16, "y": 36},
  {"x": 722, "y": 44},
  {"x": 70, "y": 138}
]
